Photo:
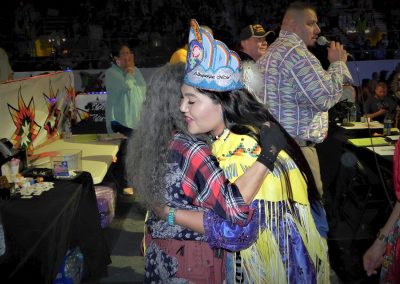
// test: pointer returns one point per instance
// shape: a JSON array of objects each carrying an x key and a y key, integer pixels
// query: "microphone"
[{"x": 323, "y": 41}]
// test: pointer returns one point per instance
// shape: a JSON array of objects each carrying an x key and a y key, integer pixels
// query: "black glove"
[{"x": 272, "y": 141}]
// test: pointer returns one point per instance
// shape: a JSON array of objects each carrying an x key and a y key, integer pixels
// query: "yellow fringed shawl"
[{"x": 262, "y": 261}]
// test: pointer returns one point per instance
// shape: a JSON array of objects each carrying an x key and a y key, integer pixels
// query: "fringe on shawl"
[{"x": 262, "y": 262}]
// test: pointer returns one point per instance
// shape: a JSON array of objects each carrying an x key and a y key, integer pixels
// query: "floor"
[
  {"x": 124, "y": 235},
  {"x": 357, "y": 209},
  {"x": 348, "y": 240}
]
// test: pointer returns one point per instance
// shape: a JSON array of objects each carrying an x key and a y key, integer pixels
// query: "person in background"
[
  {"x": 126, "y": 91},
  {"x": 349, "y": 93},
  {"x": 365, "y": 93},
  {"x": 395, "y": 85},
  {"x": 179, "y": 56},
  {"x": 253, "y": 43},
  {"x": 6, "y": 72},
  {"x": 373, "y": 82},
  {"x": 297, "y": 90},
  {"x": 385, "y": 250},
  {"x": 379, "y": 105}
]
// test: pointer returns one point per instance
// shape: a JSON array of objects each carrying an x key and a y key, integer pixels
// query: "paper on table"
[
  {"x": 383, "y": 150},
  {"x": 363, "y": 142},
  {"x": 83, "y": 138},
  {"x": 42, "y": 162},
  {"x": 393, "y": 137},
  {"x": 363, "y": 125}
]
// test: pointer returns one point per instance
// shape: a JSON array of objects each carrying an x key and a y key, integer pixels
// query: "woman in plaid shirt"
[{"x": 161, "y": 148}]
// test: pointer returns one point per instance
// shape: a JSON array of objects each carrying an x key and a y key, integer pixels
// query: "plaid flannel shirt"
[{"x": 204, "y": 182}]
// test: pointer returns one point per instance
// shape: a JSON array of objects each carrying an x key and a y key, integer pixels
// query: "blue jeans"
[{"x": 118, "y": 127}]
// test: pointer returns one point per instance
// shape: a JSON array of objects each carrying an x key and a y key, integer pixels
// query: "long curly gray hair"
[{"x": 148, "y": 147}]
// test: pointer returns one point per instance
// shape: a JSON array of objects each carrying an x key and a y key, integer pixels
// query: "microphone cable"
[{"x": 377, "y": 164}]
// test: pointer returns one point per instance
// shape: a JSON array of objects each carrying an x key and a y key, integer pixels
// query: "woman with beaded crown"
[{"x": 216, "y": 100}]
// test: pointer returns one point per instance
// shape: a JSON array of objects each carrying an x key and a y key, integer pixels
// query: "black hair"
[
  {"x": 300, "y": 6},
  {"x": 116, "y": 48},
  {"x": 244, "y": 114}
]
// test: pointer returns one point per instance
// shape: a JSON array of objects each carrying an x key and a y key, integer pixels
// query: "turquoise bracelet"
[{"x": 171, "y": 216}]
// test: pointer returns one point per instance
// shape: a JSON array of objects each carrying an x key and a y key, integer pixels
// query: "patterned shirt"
[
  {"x": 297, "y": 90},
  {"x": 204, "y": 182}
]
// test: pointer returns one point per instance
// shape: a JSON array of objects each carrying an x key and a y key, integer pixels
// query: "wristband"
[
  {"x": 267, "y": 161},
  {"x": 171, "y": 216}
]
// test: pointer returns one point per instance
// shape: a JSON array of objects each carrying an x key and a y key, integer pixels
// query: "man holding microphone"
[{"x": 297, "y": 90}]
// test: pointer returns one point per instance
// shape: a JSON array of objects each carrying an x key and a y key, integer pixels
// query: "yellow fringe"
[
  {"x": 262, "y": 261},
  {"x": 254, "y": 262}
]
